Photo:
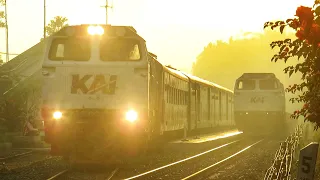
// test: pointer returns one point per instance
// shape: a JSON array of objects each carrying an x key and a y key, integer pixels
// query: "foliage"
[
  {"x": 2, "y": 15},
  {"x": 306, "y": 24},
  {"x": 56, "y": 24},
  {"x": 2, "y": 19},
  {"x": 16, "y": 109},
  {"x": 239, "y": 55},
  {"x": 11, "y": 115}
]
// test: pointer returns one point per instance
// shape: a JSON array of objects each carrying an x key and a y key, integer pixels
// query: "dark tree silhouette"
[{"x": 56, "y": 24}]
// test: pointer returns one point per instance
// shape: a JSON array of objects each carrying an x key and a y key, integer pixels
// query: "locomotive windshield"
[
  {"x": 70, "y": 48},
  {"x": 268, "y": 84},
  {"x": 119, "y": 49},
  {"x": 246, "y": 84}
]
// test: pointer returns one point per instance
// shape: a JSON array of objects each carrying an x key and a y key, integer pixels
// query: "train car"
[
  {"x": 105, "y": 94},
  {"x": 189, "y": 102},
  {"x": 259, "y": 102}
]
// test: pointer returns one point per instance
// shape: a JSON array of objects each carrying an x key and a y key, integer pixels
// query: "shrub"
[{"x": 306, "y": 24}]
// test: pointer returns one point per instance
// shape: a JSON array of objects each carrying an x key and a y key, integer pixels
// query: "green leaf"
[
  {"x": 282, "y": 28},
  {"x": 273, "y": 45},
  {"x": 291, "y": 72},
  {"x": 312, "y": 54},
  {"x": 2, "y": 24},
  {"x": 277, "y": 23},
  {"x": 317, "y": 20},
  {"x": 289, "y": 20},
  {"x": 287, "y": 40},
  {"x": 305, "y": 55},
  {"x": 303, "y": 51},
  {"x": 2, "y": 15},
  {"x": 286, "y": 59},
  {"x": 294, "y": 51},
  {"x": 279, "y": 43},
  {"x": 275, "y": 58},
  {"x": 317, "y": 10}
]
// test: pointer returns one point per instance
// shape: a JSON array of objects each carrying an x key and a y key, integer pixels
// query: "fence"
[{"x": 284, "y": 157}]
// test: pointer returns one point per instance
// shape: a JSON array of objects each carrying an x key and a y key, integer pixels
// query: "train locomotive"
[
  {"x": 104, "y": 94},
  {"x": 259, "y": 103}
]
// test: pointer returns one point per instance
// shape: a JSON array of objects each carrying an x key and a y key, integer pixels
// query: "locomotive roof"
[
  {"x": 258, "y": 75},
  {"x": 109, "y": 30}
]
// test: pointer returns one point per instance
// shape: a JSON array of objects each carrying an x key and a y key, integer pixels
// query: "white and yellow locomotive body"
[
  {"x": 259, "y": 102},
  {"x": 104, "y": 92}
]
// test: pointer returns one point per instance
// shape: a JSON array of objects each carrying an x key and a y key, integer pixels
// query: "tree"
[
  {"x": 2, "y": 20},
  {"x": 55, "y": 25},
  {"x": 2, "y": 15},
  {"x": 306, "y": 45},
  {"x": 223, "y": 62}
]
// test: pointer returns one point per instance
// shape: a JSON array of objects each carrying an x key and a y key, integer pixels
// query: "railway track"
[
  {"x": 58, "y": 175},
  {"x": 68, "y": 172},
  {"x": 11, "y": 158},
  {"x": 169, "y": 172},
  {"x": 196, "y": 166},
  {"x": 4, "y": 159},
  {"x": 203, "y": 172},
  {"x": 20, "y": 161}
]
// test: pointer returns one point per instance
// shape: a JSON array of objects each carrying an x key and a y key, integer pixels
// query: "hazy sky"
[{"x": 175, "y": 30}]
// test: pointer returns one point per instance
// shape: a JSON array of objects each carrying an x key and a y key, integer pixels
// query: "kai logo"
[
  {"x": 91, "y": 84},
  {"x": 257, "y": 100}
]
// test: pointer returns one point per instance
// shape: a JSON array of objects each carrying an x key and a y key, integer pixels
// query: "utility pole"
[
  {"x": 107, "y": 6},
  {"x": 44, "y": 19},
  {"x": 7, "y": 31}
]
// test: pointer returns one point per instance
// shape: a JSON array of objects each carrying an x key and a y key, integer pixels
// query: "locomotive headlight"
[
  {"x": 131, "y": 115},
  {"x": 91, "y": 30},
  {"x": 99, "y": 30},
  {"x": 95, "y": 30},
  {"x": 57, "y": 115}
]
